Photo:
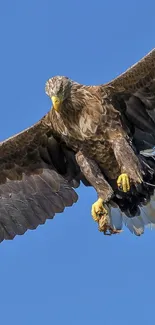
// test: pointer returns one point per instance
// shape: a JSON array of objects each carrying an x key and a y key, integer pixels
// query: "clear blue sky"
[{"x": 66, "y": 272}]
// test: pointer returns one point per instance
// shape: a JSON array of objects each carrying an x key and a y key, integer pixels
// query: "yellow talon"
[
  {"x": 123, "y": 182},
  {"x": 98, "y": 210},
  {"x": 100, "y": 215}
]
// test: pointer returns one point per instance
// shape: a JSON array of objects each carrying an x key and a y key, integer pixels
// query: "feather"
[
  {"x": 32, "y": 180},
  {"x": 148, "y": 152},
  {"x": 134, "y": 224},
  {"x": 116, "y": 218}
]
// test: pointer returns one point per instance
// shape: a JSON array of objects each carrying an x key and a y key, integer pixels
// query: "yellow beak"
[{"x": 56, "y": 102}]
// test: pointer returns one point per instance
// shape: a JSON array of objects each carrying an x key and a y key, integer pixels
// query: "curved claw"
[
  {"x": 123, "y": 183},
  {"x": 108, "y": 229}
]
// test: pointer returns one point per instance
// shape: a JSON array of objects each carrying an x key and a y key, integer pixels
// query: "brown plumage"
[{"x": 95, "y": 134}]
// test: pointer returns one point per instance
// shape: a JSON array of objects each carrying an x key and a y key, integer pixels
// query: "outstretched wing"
[
  {"x": 36, "y": 179},
  {"x": 133, "y": 94}
]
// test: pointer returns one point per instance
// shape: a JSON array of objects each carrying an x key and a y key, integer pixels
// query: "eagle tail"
[{"x": 135, "y": 224}]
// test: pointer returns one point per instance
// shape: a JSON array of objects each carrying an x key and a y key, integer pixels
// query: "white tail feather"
[
  {"x": 135, "y": 224},
  {"x": 116, "y": 218}
]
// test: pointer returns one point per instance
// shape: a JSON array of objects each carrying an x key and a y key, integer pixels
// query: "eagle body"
[
  {"x": 88, "y": 127},
  {"x": 102, "y": 136}
]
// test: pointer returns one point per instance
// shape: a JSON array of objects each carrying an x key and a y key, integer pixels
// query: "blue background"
[{"x": 66, "y": 272}]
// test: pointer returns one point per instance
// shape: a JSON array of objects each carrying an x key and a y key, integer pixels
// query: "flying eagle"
[{"x": 103, "y": 136}]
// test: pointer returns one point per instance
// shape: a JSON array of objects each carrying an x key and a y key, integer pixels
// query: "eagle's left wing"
[{"x": 133, "y": 94}]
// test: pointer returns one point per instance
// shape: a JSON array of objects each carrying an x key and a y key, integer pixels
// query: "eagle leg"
[
  {"x": 129, "y": 164},
  {"x": 123, "y": 183},
  {"x": 98, "y": 210},
  {"x": 100, "y": 215},
  {"x": 93, "y": 174}
]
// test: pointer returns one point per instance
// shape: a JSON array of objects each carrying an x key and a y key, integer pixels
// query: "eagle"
[{"x": 102, "y": 136}]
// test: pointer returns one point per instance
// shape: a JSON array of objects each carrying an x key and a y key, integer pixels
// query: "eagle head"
[{"x": 58, "y": 89}]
